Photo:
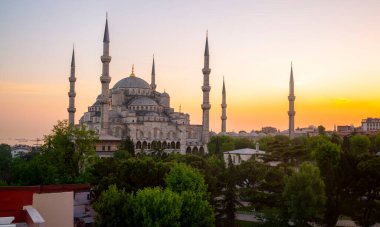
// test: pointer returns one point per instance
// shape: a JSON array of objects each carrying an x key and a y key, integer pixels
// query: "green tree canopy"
[
  {"x": 189, "y": 183},
  {"x": 5, "y": 162},
  {"x": 220, "y": 144},
  {"x": 184, "y": 178},
  {"x": 327, "y": 155},
  {"x": 304, "y": 195},
  {"x": 359, "y": 145},
  {"x": 110, "y": 208},
  {"x": 156, "y": 207}
]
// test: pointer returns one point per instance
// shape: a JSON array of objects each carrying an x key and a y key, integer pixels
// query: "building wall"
[{"x": 56, "y": 208}]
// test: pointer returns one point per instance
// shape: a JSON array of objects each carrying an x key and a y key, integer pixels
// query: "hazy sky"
[{"x": 334, "y": 46}]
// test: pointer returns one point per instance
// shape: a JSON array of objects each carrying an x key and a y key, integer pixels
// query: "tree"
[
  {"x": 130, "y": 174},
  {"x": 127, "y": 145},
  {"x": 321, "y": 130},
  {"x": 110, "y": 208},
  {"x": 304, "y": 195},
  {"x": 71, "y": 149},
  {"x": 369, "y": 186},
  {"x": 189, "y": 183},
  {"x": 335, "y": 138},
  {"x": 183, "y": 178},
  {"x": 265, "y": 142},
  {"x": 230, "y": 200},
  {"x": 220, "y": 144},
  {"x": 156, "y": 207},
  {"x": 327, "y": 155},
  {"x": 359, "y": 145},
  {"x": 5, "y": 162},
  {"x": 244, "y": 143},
  {"x": 195, "y": 210}
]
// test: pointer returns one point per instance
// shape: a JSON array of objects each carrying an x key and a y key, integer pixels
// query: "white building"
[
  {"x": 240, "y": 155},
  {"x": 371, "y": 124},
  {"x": 19, "y": 150}
]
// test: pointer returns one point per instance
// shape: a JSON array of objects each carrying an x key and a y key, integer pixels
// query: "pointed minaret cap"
[
  {"x": 73, "y": 59},
  {"x": 291, "y": 72},
  {"x": 224, "y": 88},
  {"x": 106, "y": 38},
  {"x": 206, "y": 48},
  {"x": 153, "y": 67}
]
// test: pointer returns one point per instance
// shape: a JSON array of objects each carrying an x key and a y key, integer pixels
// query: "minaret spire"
[
  {"x": 153, "y": 82},
  {"x": 106, "y": 38},
  {"x": 291, "y": 99},
  {"x": 206, "y": 47},
  {"x": 105, "y": 79},
  {"x": 72, "y": 94},
  {"x": 224, "y": 109},
  {"x": 206, "y": 95}
]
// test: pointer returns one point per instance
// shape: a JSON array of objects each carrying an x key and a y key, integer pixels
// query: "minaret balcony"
[
  {"x": 105, "y": 59},
  {"x": 223, "y": 118},
  {"x": 206, "y": 106},
  {"x": 206, "y": 88},
  {"x": 206, "y": 70},
  {"x": 71, "y": 94},
  {"x": 105, "y": 79},
  {"x": 71, "y": 109},
  {"x": 291, "y": 97},
  {"x": 224, "y": 105},
  {"x": 72, "y": 79},
  {"x": 291, "y": 112}
]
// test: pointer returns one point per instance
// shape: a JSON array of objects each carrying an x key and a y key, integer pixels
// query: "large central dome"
[{"x": 132, "y": 82}]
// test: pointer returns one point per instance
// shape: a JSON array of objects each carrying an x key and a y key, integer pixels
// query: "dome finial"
[{"x": 133, "y": 70}]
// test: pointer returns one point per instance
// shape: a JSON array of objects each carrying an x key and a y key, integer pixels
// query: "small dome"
[
  {"x": 165, "y": 94},
  {"x": 143, "y": 101},
  {"x": 132, "y": 82}
]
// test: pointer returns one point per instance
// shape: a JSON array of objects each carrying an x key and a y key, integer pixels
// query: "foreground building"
[{"x": 134, "y": 108}]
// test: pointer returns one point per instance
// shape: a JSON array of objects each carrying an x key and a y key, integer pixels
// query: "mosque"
[{"x": 134, "y": 108}]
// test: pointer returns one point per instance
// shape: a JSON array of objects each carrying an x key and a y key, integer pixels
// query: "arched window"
[
  {"x": 138, "y": 145},
  {"x": 201, "y": 150},
  {"x": 188, "y": 150},
  {"x": 144, "y": 145},
  {"x": 178, "y": 145}
]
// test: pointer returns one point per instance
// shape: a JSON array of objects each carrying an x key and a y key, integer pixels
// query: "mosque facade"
[{"x": 134, "y": 108}]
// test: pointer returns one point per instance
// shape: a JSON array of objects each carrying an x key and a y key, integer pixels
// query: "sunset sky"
[{"x": 334, "y": 46}]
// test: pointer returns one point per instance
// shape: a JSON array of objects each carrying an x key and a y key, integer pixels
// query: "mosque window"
[
  {"x": 109, "y": 148},
  {"x": 104, "y": 148}
]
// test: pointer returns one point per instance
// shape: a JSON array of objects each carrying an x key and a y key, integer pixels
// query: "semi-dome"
[
  {"x": 143, "y": 101},
  {"x": 132, "y": 82}
]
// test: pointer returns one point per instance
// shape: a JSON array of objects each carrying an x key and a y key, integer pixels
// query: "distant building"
[
  {"x": 240, "y": 155},
  {"x": 371, "y": 124},
  {"x": 19, "y": 150},
  {"x": 345, "y": 128}
]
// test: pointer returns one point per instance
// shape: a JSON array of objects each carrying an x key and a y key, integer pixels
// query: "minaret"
[
  {"x": 206, "y": 99},
  {"x": 291, "y": 99},
  {"x": 224, "y": 109},
  {"x": 153, "y": 82},
  {"x": 105, "y": 79},
  {"x": 72, "y": 93}
]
